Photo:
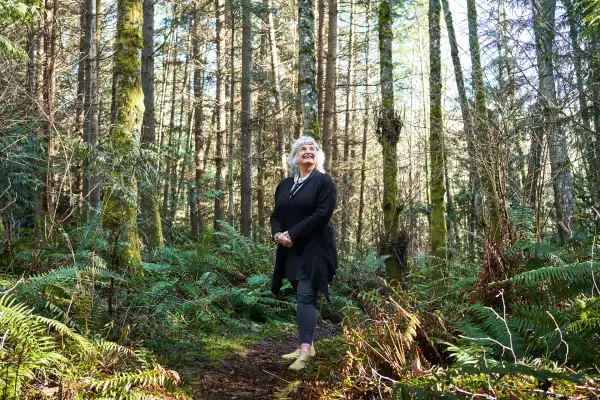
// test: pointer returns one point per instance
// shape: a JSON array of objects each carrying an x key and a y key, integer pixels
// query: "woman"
[{"x": 306, "y": 253}]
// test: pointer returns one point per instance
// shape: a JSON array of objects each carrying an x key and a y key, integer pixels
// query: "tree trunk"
[
  {"x": 230, "y": 155},
  {"x": 320, "y": 56},
  {"x": 121, "y": 200},
  {"x": 177, "y": 156},
  {"x": 197, "y": 220},
  {"x": 279, "y": 123},
  {"x": 543, "y": 24},
  {"x": 151, "y": 224},
  {"x": 348, "y": 126},
  {"x": 389, "y": 127},
  {"x": 465, "y": 109},
  {"x": 77, "y": 168},
  {"x": 307, "y": 69},
  {"x": 365, "y": 133},
  {"x": 586, "y": 138},
  {"x": 330, "y": 84},
  {"x": 595, "y": 84},
  {"x": 437, "y": 235},
  {"x": 483, "y": 145},
  {"x": 171, "y": 154},
  {"x": 221, "y": 171},
  {"x": 246, "y": 132},
  {"x": 49, "y": 89},
  {"x": 91, "y": 189}
]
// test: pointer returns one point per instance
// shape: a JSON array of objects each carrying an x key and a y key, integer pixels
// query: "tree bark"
[
  {"x": 465, "y": 109},
  {"x": 221, "y": 170},
  {"x": 121, "y": 200},
  {"x": 49, "y": 89},
  {"x": 437, "y": 235},
  {"x": 320, "y": 56},
  {"x": 389, "y": 127},
  {"x": 91, "y": 185},
  {"x": 543, "y": 24},
  {"x": 483, "y": 144},
  {"x": 171, "y": 154},
  {"x": 177, "y": 156},
  {"x": 348, "y": 126},
  {"x": 77, "y": 168},
  {"x": 230, "y": 155},
  {"x": 197, "y": 220},
  {"x": 307, "y": 69},
  {"x": 246, "y": 126},
  {"x": 330, "y": 84},
  {"x": 365, "y": 132},
  {"x": 277, "y": 93},
  {"x": 150, "y": 221}
]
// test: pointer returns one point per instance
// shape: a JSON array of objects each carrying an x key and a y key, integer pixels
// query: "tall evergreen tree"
[
  {"x": 389, "y": 126},
  {"x": 307, "y": 69},
  {"x": 121, "y": 198},
  {"x": 246, "y": 132},
  {"x": 330, "y": 85},
  {"x": 544, "y": 16},
  {"x": 437, "y": 235},
  {"x": 150, "y": 221},
  {"x": 221, "y": 113}
]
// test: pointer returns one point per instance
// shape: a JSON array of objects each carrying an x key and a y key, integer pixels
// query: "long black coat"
[{"x": 306, "y": 217}]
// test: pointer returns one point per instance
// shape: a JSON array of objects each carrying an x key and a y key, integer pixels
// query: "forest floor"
[{"x": 255, "y": 370}]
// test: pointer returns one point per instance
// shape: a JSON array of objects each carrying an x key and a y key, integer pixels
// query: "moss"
[
  {"x": 437, "y": 234},
  {"x": 121, "y": 199}
]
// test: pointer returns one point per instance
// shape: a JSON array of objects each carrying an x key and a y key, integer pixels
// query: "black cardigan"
[{"x": 306, "y": 217}]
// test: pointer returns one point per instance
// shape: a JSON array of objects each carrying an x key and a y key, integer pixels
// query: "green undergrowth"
[
  {"x": 184, "y": 308},
  {"x": 520, "y": 323}
]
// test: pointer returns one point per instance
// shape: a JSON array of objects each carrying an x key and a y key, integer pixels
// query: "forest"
[{"x": 141, "y": 143}]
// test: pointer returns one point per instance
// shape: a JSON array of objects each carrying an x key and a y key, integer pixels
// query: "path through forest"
[{"x": 256, "y": 373}]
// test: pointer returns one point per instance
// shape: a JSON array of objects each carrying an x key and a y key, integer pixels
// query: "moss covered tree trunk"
[
  {"x": 437, "y": 233},
  {"x": 150, "y": 221},
  {"x": 320, "y": 59},
  {"x": 465, "y": 108},
  {"x": 308, "y": 69},
  {"x": 543, "y": 24},
  {"x": 330, "y": 85},
  {"x": 121, "y": 199},
  {"x": 388, "y": 132}
]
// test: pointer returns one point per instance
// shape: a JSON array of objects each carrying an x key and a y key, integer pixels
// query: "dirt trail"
[{"x": 256, "y": 374}]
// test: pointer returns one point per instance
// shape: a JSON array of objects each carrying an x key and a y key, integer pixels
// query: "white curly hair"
[{"x": 292, "y": 156}]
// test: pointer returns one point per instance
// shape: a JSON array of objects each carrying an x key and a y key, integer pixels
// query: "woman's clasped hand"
[{"x": 285, "y": 240}]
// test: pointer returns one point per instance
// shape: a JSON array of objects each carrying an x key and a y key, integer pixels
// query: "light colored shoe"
[
  {"x": 296, "y": 354},
  {"x": 300, "y": 363}
]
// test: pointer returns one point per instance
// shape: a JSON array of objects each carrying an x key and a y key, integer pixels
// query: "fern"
[{"x": 568, "y": 275}]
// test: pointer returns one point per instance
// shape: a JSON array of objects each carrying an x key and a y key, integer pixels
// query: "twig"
[
  {"x": 4, "y": 338},
  {"x": 501, "y": 294},
  {"x": 561, "y": 336},
  {"x": 278, "y": 377},
  {"x": 14, "y": 287},
  {"x": 476, "y": 394}
]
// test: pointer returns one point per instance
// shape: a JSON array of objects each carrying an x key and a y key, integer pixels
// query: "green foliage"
[{"x": 34, "y": 346}]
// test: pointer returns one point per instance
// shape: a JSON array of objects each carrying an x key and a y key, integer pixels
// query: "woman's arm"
[
  {"x": 326, "y": 199},
  {"x": 275, "y": 224}
]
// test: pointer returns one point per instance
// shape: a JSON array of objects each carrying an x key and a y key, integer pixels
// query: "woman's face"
[{"x": 307, "y": 156}]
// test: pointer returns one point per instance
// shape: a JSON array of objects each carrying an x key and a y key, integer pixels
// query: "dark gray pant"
[{"x": 306, "y": 308}]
